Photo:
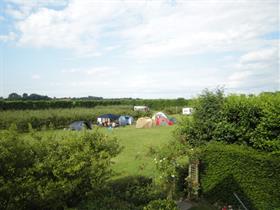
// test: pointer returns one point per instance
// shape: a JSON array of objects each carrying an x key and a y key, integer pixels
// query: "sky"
[{"x": 138, "y": 48}]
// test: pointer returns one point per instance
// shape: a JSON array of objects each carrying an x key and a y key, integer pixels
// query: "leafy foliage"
[
  {"x": 59, "y": 118},
  {"x": 200, "y": 128},
  {"x": 15, "y": 102},
  {"x": 127, "y": 193},
  {"x": 53, "y": 171},
  {"x": 240, "y": 119},
  {"x": 161, "y": 205},
  {"x": 172, "y": 163},
  {"x": 253, "y": 175}
]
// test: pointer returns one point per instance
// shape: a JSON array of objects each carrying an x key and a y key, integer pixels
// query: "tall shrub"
[
  {"x": 53, "y": 171},
  {"x": 236, "y": 119},
  {"x": 200, "y": 128}
]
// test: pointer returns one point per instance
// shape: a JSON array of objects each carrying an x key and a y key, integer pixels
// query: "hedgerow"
[
  {"x": 59, "y": 118},
  {"x": 73, "y": 103},
  {"x": 254, "y": 176}
]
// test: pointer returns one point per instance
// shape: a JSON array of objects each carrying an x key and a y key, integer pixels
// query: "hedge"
[
  {"x": 253, "y": 175},
  {"x": 57, "y": 118},
  {"x": 71, "y": 103}
]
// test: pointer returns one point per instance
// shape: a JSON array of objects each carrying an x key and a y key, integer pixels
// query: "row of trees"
[
  {"x": 25, "y": 96},
  {"x": 50, "y": 104}
]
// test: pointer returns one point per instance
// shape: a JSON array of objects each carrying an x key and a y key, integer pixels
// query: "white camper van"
[{"x": 187, "y": 110}]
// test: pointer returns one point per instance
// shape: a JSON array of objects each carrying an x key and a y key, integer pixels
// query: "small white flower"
[
  {"x": 172, "y": 175},
  {"x": 160, "y": 161}
]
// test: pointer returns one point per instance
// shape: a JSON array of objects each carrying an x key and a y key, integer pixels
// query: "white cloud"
[
  {"x": 97, "y": 72},
  {"x": 256, "y": 69},
  {"x": 148, "y": 29},
  {"x": 146, "y": 35},
  {"x": 270, "y": 54},
  {"x": 9, "y": 37},
  {"x": 35, "y": 77}
]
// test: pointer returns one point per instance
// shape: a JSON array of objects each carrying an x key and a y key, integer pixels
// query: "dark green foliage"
[
  {"x": 53, "y": 171},
  {"x": 59, "y": 118},
  {"x": 18, "y": 103},
  {"x": 172, "y": 164},
  {"x": 253, "y": 175},
  {"x": 161, "y": 205},
  {"x": 240, "y": 119},
  {"x": 267, "y": 133},
  {"x": 137, "y": 190},
  {"x": 200, "y": 128},
  {"x": 127, "y": 193}
]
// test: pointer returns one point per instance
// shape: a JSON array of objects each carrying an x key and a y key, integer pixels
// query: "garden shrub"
[
  {"x": 200, "y": 128},
  {"x": 172, "y": 164},
  {"x": 253, "y": 175},
  {"x": 161, "y": 205},
  {"x": 52, "y": 171},
  {"x": 126, "y": 193},
  {"x": 236, "y": 119},
  {"x": 137, "y": 190}
]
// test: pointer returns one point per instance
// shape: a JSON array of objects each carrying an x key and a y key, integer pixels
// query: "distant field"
[{"x": 135, "y": 158}]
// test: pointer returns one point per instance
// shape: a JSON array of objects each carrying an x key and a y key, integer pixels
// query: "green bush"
[
  {"x": 53, "y": 171},
  {"x": 172, "y": 164},
  {"x": 136, "y": 190},
  {"x": 200, "y": 128},
  {"x": 127, "y": 193},
  {"x": 239, "y": 119},
  {"x": 161, "y": 205},
  {"x": 253, "y": 175}
]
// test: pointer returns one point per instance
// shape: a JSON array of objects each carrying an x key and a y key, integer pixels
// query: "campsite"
[
  {"x": 145, "y": 155},
  {"x": 139, "y": 105}
]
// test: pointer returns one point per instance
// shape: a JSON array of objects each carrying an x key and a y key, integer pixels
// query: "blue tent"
[
  {"x": 125, "y": 120},
  {"x": 109, "y": 116},
  {"x": 79, "y": 125},
  {"x": 107, "y": 119}
]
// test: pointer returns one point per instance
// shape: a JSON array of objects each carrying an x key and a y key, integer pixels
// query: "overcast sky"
[{"x": 138, "y": 48}]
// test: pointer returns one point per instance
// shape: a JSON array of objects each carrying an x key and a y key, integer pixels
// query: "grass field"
[{"x": 135, "y": 158}]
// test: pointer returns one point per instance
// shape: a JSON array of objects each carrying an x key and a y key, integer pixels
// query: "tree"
[
  {"x": 200, "y": 128},
  {"x": 14, "y": 96},
  {"x": 25, "y": 95}
]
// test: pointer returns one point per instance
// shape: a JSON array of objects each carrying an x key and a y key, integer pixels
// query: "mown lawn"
[{"x": 135, "y": 158}]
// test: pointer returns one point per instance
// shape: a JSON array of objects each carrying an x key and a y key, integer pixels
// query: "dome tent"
[
  {"x": 159, "y": 114},
  {"x": 107, "y": 119},
  {"x": 162, "y": 119},
  {"x": 80, "y": 125},
  {"x": 144, "y": 122},
  {"x": 125, "y": 120}
]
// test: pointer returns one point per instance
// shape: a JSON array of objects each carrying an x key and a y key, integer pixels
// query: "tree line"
[{"x": 47, "y": 103}]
